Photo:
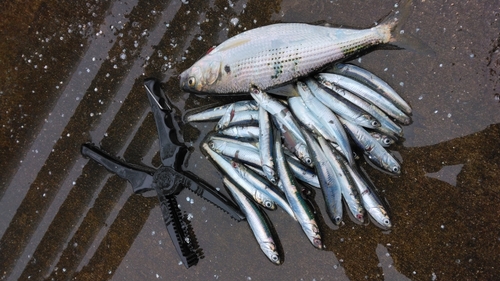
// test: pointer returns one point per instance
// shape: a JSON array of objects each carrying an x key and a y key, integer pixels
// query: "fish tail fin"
[{"x": 394, "y": 23}]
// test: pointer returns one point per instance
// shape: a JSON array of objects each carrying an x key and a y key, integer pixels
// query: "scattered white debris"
[{"x": 234, "y": 21}]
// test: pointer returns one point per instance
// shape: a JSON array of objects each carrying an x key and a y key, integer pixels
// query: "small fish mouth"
[
  {"x": 182, "y": 81},
  {"x": 184, "y": 84}
]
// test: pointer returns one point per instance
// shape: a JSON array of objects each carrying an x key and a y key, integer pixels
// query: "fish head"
[
  {"x": 312, "y": 231},
  {"x": 270, "y": 174},
  {"x": 391, "y": 164},
  {"x": 216, "y": 146},
  {"x": 269, "y": 204},
  {"x": 380, "y": 217},
  {"x": 271, "y": 251},
  {"x": 201, "y": 77}
]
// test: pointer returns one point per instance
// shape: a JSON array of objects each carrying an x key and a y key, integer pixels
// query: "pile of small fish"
[
  {"x": 347, "y": 105},
  {"x": 265, "y": 145}
]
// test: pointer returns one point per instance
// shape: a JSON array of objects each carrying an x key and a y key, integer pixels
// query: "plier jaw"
[{"x": 169, "y": 179}]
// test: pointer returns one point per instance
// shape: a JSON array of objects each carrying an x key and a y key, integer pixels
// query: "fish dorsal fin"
[{"x": 230, "y": 44}]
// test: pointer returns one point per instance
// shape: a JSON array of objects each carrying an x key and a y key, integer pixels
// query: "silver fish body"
[
  {"x": 372, "y": 204},
  {"x": 237, "y": 150},
  {"x": 245, "y": 132},
  {"x": 309, "y": 120},
  {"x": 286, "y": 123},
  {"x": 263, "y": 186},
  {"x": 269, "y": 56},
  {"x": 229, "y": 170},
  {"x": 369, "y": 95},
  {"x": 301, "y": 209},
  {"x": 257, "y": 222},
  {"x": 266, "y": 144},
  {"x": 278, "y": 111},
  {"x": 237, "y": 118},
  {"x": 347, "y": 185},
  {"x": 377, "y": 113},
  {"x": 330, "y": 186},
  {"x": 327, "y": 118},
  {"x": 373, "y": 149},
  {"x": 374, "y": 82},
  {"x": 342, "y": 106},
  {"x": 217, "y": 112}
]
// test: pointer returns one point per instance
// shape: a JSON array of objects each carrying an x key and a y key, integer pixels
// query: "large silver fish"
[{"x": 273, "y": 55}]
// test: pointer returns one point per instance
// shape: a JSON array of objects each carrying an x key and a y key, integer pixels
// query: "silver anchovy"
[
  {"x": 302, "y": 211},
  {"x": 307, "y": 119},
  {"x": 341, "y": 106},
  {"x": 244, "y": 132},
  {"x": 377, "y": 113},
  {"x": 374, "y": 150},
  {"x": 369, "y": 95},
  {"x": 229, "y": 170},
  {"x": 327, "y": 118},
  {"x": 247, "y": 143},
  {"x": 237, "y": 118},
  {"x": 266, "y": 143},
  {"x": 330, "y": 186},
  {"x": 242, "y": 151},
  {"x": 372, "y": 204},
  {"x": 286, "y": 123},
  {"x": 249, "y": 154},
  {"x": 372, "y": 81},
  {"x": 257, "y": 221},
  {"x": 294, "y": 145},
  {"x": 217, "y": 112},
  {"x": 276, "y": 54},
  {"x": 278, "y": 111},
  {"x": 264, "y": 186},
  {"x": 347, "y": 185}
]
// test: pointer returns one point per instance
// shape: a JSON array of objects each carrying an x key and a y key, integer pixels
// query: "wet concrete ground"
[{"x": 72, "y": 73}]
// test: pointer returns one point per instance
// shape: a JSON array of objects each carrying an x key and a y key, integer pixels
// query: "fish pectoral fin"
[{"x": 288, "y": 90}]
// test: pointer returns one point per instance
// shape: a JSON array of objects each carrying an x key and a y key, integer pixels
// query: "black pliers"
[{"x": 169, "y": 179}]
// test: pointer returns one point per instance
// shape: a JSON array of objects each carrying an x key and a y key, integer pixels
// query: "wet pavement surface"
[{"x": 73, "y": 73}]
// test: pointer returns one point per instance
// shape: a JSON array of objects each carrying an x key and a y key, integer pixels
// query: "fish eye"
[
  {"x": 275, "y": 258},
  {"x": 211, "y": 144},
  {"x": 387, "y": 222},
  {"x": 191, "y": 81},
  {"x": 317, "y": 242},
  {"x": 308, "y": 161},
  {"x": 395, "y": 169},
  {"x": 268, "y": 204},
  {"x": 387, "y": 141},
  {"x": 375, "y": 123}
]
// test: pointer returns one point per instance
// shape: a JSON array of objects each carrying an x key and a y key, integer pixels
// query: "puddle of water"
[
  {"x": 63, "y": 216},
  {"x": 447, "y": 174}
]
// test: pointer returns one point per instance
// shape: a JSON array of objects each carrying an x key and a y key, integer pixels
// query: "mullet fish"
[{"x": 273, "y": 55}]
